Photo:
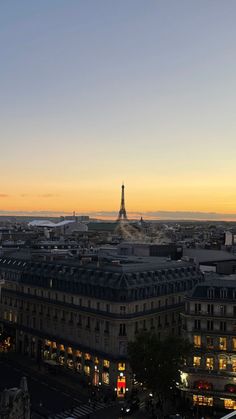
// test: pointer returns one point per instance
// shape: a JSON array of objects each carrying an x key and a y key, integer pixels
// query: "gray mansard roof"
[
  {"x": 130, "y": 280},
  {"x": 218, "y": 287}
]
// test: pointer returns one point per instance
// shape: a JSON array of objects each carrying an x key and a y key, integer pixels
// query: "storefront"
[
  {"x": 87, "y": 364},
  {"x": 121, "y": 380},
  {"x": 61, "y": 358},
  {"x": 70, "y": 362},
  {"x": 78, "y": 361},
  {"x": 47, "y": 349}
]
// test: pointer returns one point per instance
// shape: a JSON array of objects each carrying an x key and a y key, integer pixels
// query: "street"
[{"x": 43, "y": 393}]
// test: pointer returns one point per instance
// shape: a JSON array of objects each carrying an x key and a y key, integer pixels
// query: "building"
[
  {"x": 15, "y": 402},
  {"x": 218, "y": 261},
  {"x": 210, "y": 324},
  {"x": 82, "y": 316}
]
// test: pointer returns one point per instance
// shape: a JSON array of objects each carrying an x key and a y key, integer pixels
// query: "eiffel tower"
[{"x": 122, "y": 216}]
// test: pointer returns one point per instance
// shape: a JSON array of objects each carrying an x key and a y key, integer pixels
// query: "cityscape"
[{"x": 117, "y": 209}]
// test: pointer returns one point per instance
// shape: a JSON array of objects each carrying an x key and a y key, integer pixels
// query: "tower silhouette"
[{"x": 122, "y": 216}]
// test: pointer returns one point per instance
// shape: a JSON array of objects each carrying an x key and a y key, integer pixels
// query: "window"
[
  {"x": 211, "y": 293},
  {"x": 202, "y": 400},
  {"x": 234, "y": 311},
  {"x": 197, "y": 324},
  {"x": 223, "y": 293},
  {"x": 106, "y": 363},
  {"x": 209, "y": 363},
  {"x": 108, "y": 308},
  {"x": 88, "y": 323},
  {"x": 98, "y": 306},
  {"x": 89, "y": 303},
  {"x": 222, "y": 363},
  {"x": 87, "y": 370},
  {"x": 97, "y": 327},
  {"x": 122, "y": 309},
  {"x": 209, "y": 342},
  {"x": 230, "y": 404},
  {"x": 197, "y": 341},
  {"x": 223, "y": 326},
  {"x": 107, "y": 327},
  {"x": 222, "y": 310},
  {"x": 136, "y": 308},
  {"x": 122, "y": 331},
  {"x": 222, "y": 343},
  {"x": 136, "y": 327},
  {"x": 197, "y": 308},
  {"x": 144, "y": 324},
  {"x": 210, "y": 309},
  {"x": 210, "y": 325},
  {"x": 144, "y": 307},
  {"x": 233, "y": 364},
  {"x": 105, "y": 377},
  {"x": 121, "y": 366},
  {"x": 79, "y": 320},
  {"x": 234, "y": 344},
  {"x": 196, "y": 361}
]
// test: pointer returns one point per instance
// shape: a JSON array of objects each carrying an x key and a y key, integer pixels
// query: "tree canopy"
[{"x": 157, "y": 363}]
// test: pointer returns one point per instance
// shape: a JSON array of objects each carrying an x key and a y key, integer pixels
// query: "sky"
[{"x": 94, "y": 93}]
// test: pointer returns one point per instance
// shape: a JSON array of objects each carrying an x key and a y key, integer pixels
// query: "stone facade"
[
  {"x": 82, "y": 317},
  {"x": 210, "y": 323}
]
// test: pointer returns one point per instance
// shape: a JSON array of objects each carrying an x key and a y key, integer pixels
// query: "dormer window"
[
  {"x": 211, "y": 293},
  {"x": 223, "y": 293}
]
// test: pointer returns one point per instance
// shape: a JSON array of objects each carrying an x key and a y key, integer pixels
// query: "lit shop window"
[
  {"x": 87, "y": 370},
  {"x": 222, "y": 363},
  {"x": 96, "y": 360},
  {"x": 121, "y": 366},
  {"x": 105, "y": 377},
  {"x": 222, "y": 343},
  {"x": 233, "y": 364},
  {"x": 106, "y": 363},
  {"x": 196, "y": 361},
  {"x": 197, "y": 341},
  {"x": 202, "y": 400},
  {"x": 209, "y": 363},
  {"x": 70, "y": 362},
  {"x": 234, "y": 344},
  {"x": 87, "y": 357},
  {"x": 230, "y": 404}
]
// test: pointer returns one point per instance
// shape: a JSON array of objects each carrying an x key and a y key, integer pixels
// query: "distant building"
[
  {"x": 144, "y": 249},
  {"x": 218, "y": 261},
  {"x": 15, "y": 402}
]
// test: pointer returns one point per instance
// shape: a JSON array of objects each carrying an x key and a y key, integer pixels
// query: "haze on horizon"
[{"x": 96, "y": 92}]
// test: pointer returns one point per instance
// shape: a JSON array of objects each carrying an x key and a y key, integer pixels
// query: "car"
[{"x": 130, "y": 407}]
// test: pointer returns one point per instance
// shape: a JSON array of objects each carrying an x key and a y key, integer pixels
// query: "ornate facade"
[
  {"x": 210, "y": 323},
  {"x": 82, "y": 317}
]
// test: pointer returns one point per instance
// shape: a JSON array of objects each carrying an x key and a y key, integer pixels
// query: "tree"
[{"x": 157, "y": 363}]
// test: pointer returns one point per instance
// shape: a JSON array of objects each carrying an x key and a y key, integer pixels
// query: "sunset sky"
[{"x": 96, "y": 92}]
